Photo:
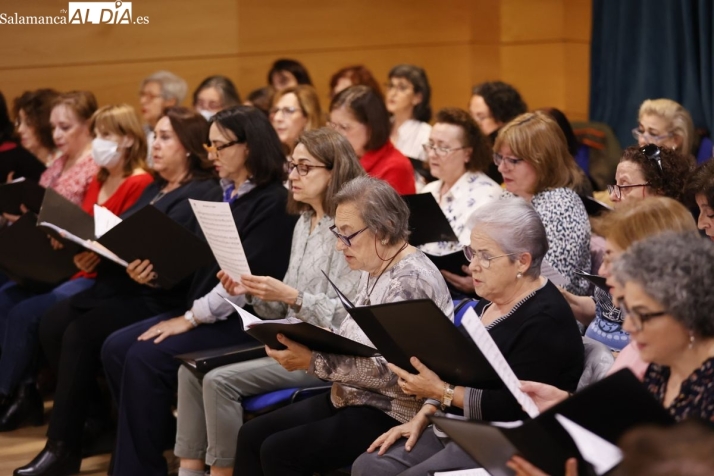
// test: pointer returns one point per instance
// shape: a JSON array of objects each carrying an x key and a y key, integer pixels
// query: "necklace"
[{"x": 389, "y": 262}]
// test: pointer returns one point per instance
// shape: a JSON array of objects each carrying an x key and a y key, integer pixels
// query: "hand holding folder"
[{"x": 19, "y": 192}]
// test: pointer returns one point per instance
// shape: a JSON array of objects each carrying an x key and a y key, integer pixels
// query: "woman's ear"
[
  {"x": 524, "y": 262},
  {"x": 678, "y": 140},
  {"x": 418, "y": 98},
  {"x": 128, "y": 141}
]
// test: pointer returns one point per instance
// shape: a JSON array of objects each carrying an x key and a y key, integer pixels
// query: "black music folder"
[
  {"x": 451, "y": 262},
  {"x": 311, "y": 336},
  {"x": 21, "y": 191},
  {"x": 28, "y": 258},
  {"x": 206, "y": 360},
  {"x": 427, "y": 222},
  {"x": 173, "y": 250},
  {"x": 594, "y": 207},
  {"x": 608, "y": 408},
  {"x": 59, "y": 213},
  {"x": 598, "y": 281}
]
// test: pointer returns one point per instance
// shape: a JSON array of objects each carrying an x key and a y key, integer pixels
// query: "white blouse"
[{"x": 410, "y": 138}]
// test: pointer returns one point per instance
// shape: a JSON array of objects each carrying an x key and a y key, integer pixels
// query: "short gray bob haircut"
[
  {"x": 674, "y": 269},
  {"x": 517, "y": 228},
  {"x": 172, "y": 86},
  {"x": 382, "y": 209}
]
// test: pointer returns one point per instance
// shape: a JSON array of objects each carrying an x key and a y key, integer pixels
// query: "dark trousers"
[
  {"x": 307, "y": 437},
  {"x": 143, "y": 379},
  {"x": 72, "y": 338}
]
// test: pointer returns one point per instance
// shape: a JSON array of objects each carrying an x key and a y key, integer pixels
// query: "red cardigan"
[
  {"x": 390, "y": 165},
  {"x": 123, "y": 198}
]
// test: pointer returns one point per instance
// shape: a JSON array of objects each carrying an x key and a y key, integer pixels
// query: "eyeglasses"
[
  {"x": 346, "y": 240},
  {"x": 512, "y": 161},
  {"x": 653, "y": 152},
  {"x": 616, "y": 190},
  {"x": 148, "y": 95},
  {"x": 402, "y": 88},
  {"x": 637, "y": 134},
  {"x": 481, "y": 117},
  {"x": 483, "y": 259},
  {"x": 639, "y": 318},
  {"x": 438, "y": 150},
  {"x": 213, "y": 149},
  {"x": 304, "y": 169},
  {"x": 341, "y": 128},
  {"x": 287, "y": 111}
]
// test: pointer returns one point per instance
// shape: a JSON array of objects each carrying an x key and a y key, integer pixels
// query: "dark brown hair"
[
  {"x": 701, "y": 182},
  {"x": 471, "y": 137},
  {"x": 358, "y": 75},
  {"x": 368, "y": 109},
  {"x": 332, "y": 150},
  {"x": 37, "y": 105},
  {"x": 503, "y": 100},
  {"x": 671, "y": 180},
  {"x": 191, "y": 128}
]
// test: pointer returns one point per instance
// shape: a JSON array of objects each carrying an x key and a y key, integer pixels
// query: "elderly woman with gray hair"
[
  {"x": 527, "y": 317},
  {"x": 329, "y": 431}
]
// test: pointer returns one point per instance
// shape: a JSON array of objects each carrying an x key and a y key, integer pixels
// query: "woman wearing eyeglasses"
[
  {"x": 295, "y": 109},
  {"x": 458, "y": 155},
  {"x": 665, "y": 123},
  {"x": 532, "y": 156},
  {"x": 246, "y": 153},
  {"x": 408, "y": 100},
  {"x": 528, "y": 319},
  {"x": 650, "y": 171}
]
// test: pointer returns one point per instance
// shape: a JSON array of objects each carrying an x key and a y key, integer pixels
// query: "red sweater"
[
  {"x": 390, "y": 165},
  {"x": 123, "y": 198}
]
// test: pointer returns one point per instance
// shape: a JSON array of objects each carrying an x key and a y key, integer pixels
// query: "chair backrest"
[
  {"x": 598, "y": 360},
  {"x": 604, "y": 151},
  {"x": 460, "y": 308},
  {"x": 706, "y": 150}
]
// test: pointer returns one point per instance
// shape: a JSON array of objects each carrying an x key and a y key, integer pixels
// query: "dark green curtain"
[{"x": 651, "y": 49}]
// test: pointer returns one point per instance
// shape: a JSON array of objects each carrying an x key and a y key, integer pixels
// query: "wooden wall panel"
[
  {"x": 577, "y": 80},
  {"x": 531, "y": 20},
  {"x": 536, "y": 70}
]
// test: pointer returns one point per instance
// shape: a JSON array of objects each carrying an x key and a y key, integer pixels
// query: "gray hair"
[
  {"x": 514, "y": 224},
  {"x": 382, "y": 209},
  {"x": 675, "y": 270},
  {"x": 172, "y": 86}
]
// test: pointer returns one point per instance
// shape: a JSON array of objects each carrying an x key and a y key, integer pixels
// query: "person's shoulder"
[{"x": 548, "y": 305}]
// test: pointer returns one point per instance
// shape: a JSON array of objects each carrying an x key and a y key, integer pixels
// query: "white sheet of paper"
[
  {"x": 485, "y": 343},
  {"x": 19, "y": 179},
  {"x": 464, "y": 472},
  {"x": 247, "y": 318},
  {"x": 217, "y": 223},
  {"x": 547, "y": 270},
  {"x": 104, "y": 220},
  {"x": 90, "y": 245},
  {"x": 597, "y": 451}
]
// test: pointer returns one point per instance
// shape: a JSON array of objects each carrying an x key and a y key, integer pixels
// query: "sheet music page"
[
  {"x": 17, "y": 180},
  {"x": 597, "y": 451},
  {"x": 217, "y": 223},
  {"x": 547, "y": 270},
  {"x": 485, "y": 343},
  {"x": 104, "y": 220},
  {"x": 464, "y": 472},
  {"x": 247, "y": 318}
]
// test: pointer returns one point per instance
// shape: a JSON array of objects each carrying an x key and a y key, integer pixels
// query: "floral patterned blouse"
[
  {"x": 469, "y": 192},
  {"x": 73, "y": 183},
  {"x": 696, "y": 395},
  {"x": 368, "y": 381}
]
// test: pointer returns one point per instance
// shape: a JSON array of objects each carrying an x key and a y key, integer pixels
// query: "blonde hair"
[
  {"x": 122, "y": 120},
  {"x": 309, "y": 104},
  {"x": 679, "y": 121},
  {"x": 536, "y": 138},
  {"x": 634, "y": 221}
]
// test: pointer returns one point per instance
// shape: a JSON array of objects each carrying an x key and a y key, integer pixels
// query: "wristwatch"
[
  {"x": 448, "y": 396},
  {"x": 190, "y": 318},
  {"x": 298, "y": 302}
]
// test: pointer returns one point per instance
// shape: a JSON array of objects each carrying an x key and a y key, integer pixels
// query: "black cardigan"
[
  {"x": 541, "y": 342},
  {"x": 266, "y": 232}
]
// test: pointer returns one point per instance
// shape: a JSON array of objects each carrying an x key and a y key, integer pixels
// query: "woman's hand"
[
  {"x": 13, "y": 218},
  {"x": 426, "y": 384},
  {"x": 465, "y": 284},
  {"x": 543, "y": 395},
  {"x": 269, "y": 289},
  {"x": 524, "y": 468},
  {"x": 141, "y": 271},
  {"x": 162, "y": 330},
  {"x": 87, "y": 261},
  {"x": 295, "y": 357},
  {"x": 232, "y": 287},
  {"x": 410, "y": 430},
  {"x": 56, "y": 244}
]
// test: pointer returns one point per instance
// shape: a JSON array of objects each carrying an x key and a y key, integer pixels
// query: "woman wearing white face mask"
[
  {"x": 214, "y": 94},
  {"x": 120, "y": 151}
]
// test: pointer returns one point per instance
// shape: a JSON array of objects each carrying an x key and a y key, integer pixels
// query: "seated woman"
[
  {"x": 668, "y": 124},
  {"x": 353, "y": 76},
  {"x": 358, "y": 114},
  {"x": 119, "y": 149},
  {"x": 530, "y": 323},
  {"x": 210, "y": 410},
  {"x": 261, "y": 98},
  {"x": 246, "y": 152},
  {"x": 409, "y": 103},
  {"x": 329, "y": 431},
  {"x": 629, "y": 223},
  {"x": 533, "y": 158},
  {"x": 73, "y": 330},
  {"x": 701, "y": 190},
  {"x": 458, "y": 155},
  {"x": 32, "y": 116},
  {"x": 214, "y": 94},
  {"x": 295, "y": 110},
  {"x": 15, "y": 161},
  {"x": 287, "y": 73}
]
